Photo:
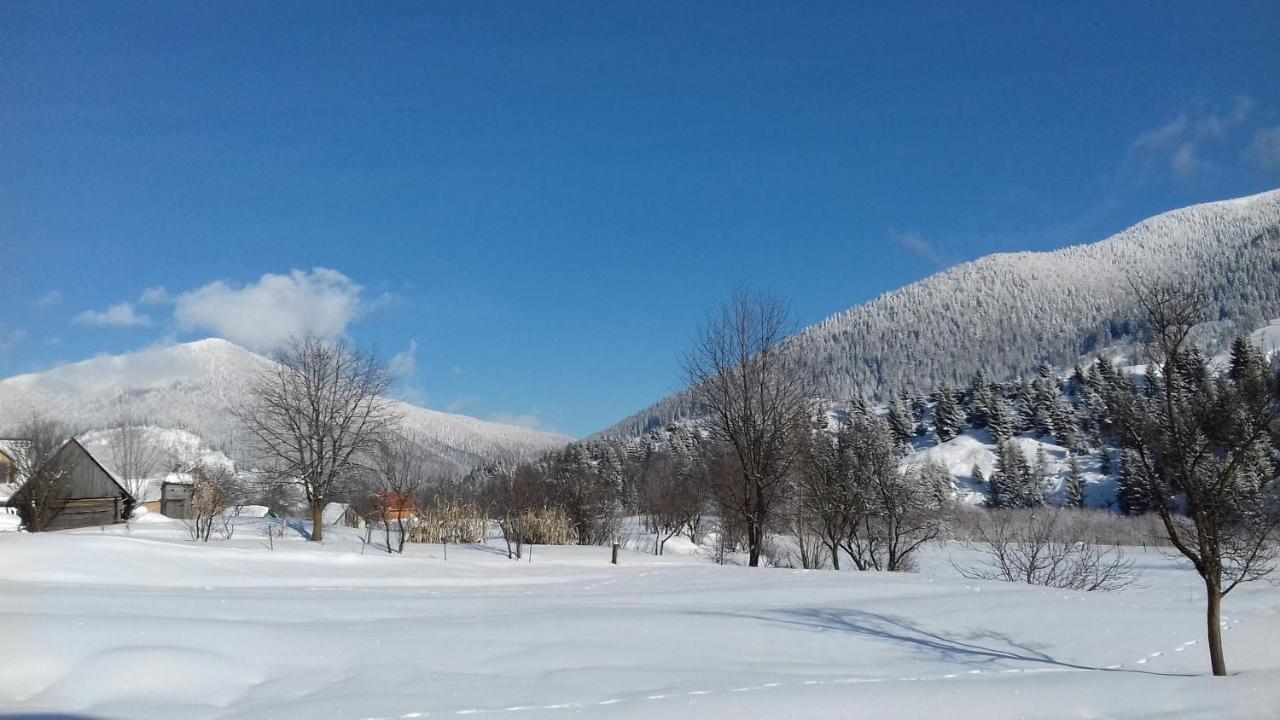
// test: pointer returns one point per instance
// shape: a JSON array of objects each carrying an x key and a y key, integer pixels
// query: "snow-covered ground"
[{"x": 144, "y": 624}]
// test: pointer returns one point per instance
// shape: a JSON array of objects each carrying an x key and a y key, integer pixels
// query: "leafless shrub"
[
  {"x": 215, "y": 489},
  {"x": 670, "y": 498},
  {"x": 1101, "y": 526},
  {"x": 272, "y": 531},
  {"x": 1045, "y": 548}
]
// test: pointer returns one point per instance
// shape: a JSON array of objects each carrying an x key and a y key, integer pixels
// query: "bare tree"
[
  {"x": 510, "y": 496},
  {"x": 890, "y": 513},
  {"x": 753, "y": 396},
  {"x": 134, "y": 455},
  {"x": 47, "y": 477},
  {"x": 400, "y": 465},
  {"x": 1050, "y": 548},
  {"x": 824, "y": 480},
  {"x": 1197, "y": 438},
  {"x": 315, "y": 414}
]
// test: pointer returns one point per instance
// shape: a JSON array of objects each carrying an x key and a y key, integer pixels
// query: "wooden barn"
[{"x": 87, "y": 494}]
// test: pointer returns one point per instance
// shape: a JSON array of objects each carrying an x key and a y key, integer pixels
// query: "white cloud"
[
  {"x": 1163, "y": 136},
  {"x": 154, "y": 296},
  {"x": 458, "y": 370},
  {"x": 1215, "y": 126},
  {"x": 11, "y": 339},
  {"x": 1264, "y": 151},
  {"x": 48, "y": 300},
  {"x": 404, "y": 365},
  {"x": 524, "y": 420},
  {"x": 264, "y": 315},
  {"x": 1181, "y": 140},
  {"x": 1184, "y": 162},
  {"x": 918, "y": 246},
  {"x": 120, "y": 315}
]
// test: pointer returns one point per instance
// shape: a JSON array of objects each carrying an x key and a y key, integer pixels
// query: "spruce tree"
[
  {"x": 999, "y": 490},
  {"x": 1075, "y": 483},
  {"x": 1026, "y": 396},
  {"x": 1037, "y": 476},
  {"x": 902, "y": 420},
  {"x": 981, "y": 401},
  {"x": 859, "y": 409},
  {"x": 1004, "y": 423},
  {"x": 948, "y": 420},
  {"x": 1132, "y": 494}
]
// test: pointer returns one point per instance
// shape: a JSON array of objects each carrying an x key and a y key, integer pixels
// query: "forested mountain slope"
[
  {"x": 195, "y": 386},
  {"x": 1008, "y": 313}
]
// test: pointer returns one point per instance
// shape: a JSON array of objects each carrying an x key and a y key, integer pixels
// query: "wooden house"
[
  {"x": 397, "y": 506},
  {"x": 9, "y": 450},
  {"x": 9, "y": 482},
  {"x": 341, "y": 514},
  {"x": 87, "y": 495}
]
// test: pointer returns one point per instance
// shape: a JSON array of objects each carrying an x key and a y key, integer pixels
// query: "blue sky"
[{"x": 532, "y": 205}]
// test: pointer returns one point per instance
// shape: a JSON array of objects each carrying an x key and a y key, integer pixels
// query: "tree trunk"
[
  {"x": 835, "y": 556},
  {"x": 754, "y": 534},
  {"x": 1214, "y": 618},
  {"x": 317, "y": 521}
]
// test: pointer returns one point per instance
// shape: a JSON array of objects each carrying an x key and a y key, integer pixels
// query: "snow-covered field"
[{"x": 144, "y": 624}]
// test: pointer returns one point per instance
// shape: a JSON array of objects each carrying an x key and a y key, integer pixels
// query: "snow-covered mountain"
[
  {"x": 194, "y": 387},
  {"x": 1007, "y": 313}
]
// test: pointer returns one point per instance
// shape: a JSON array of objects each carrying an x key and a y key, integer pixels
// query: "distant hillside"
[
  {"x": 1007, "y": 313},
  {"x": 194, "y": 387}
]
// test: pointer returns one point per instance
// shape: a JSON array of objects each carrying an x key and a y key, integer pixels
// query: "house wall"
[
  {"x": 90, "y": 512},
  {"x": 93, "y": 497},
  {"x": 7, "y": 470},
  {"x": 175, "y": 500}
]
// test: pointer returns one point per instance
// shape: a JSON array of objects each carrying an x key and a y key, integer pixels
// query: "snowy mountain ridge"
[
  {"x": 194, "y": 386},
  {"x": 1009, "y": 312}
]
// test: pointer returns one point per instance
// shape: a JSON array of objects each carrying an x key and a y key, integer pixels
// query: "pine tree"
[
  {"x": 1004, "y": 423},
  {"x": 1066, "y": 428},
  {"x": 976, "y": 478},
  {"x": 1026, "y": 396},
  {"x": 859, "y": 409},
  {"x": 1039, "y": 474},
  {"x": 1075, "y": 483},
  {"x": 999, "y": 485},
  {"x": 1044, "y": 395},
  {"x": 1077, "y": 380},
  {"x": 948, "y": 420},
  {"x": 1132, "y": 495},
  {"x": 902, "y": 421},
  {"x": 981, "y": 401}
]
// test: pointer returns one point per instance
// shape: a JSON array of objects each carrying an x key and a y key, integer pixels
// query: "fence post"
[{"x": 615, "y": 553}]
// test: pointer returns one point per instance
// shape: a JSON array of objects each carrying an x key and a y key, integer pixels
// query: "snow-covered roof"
[
  {"x": 12, "y": 446},
  {"x": 249, "y": 511},
  {"x": 333, "y": 512}
]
